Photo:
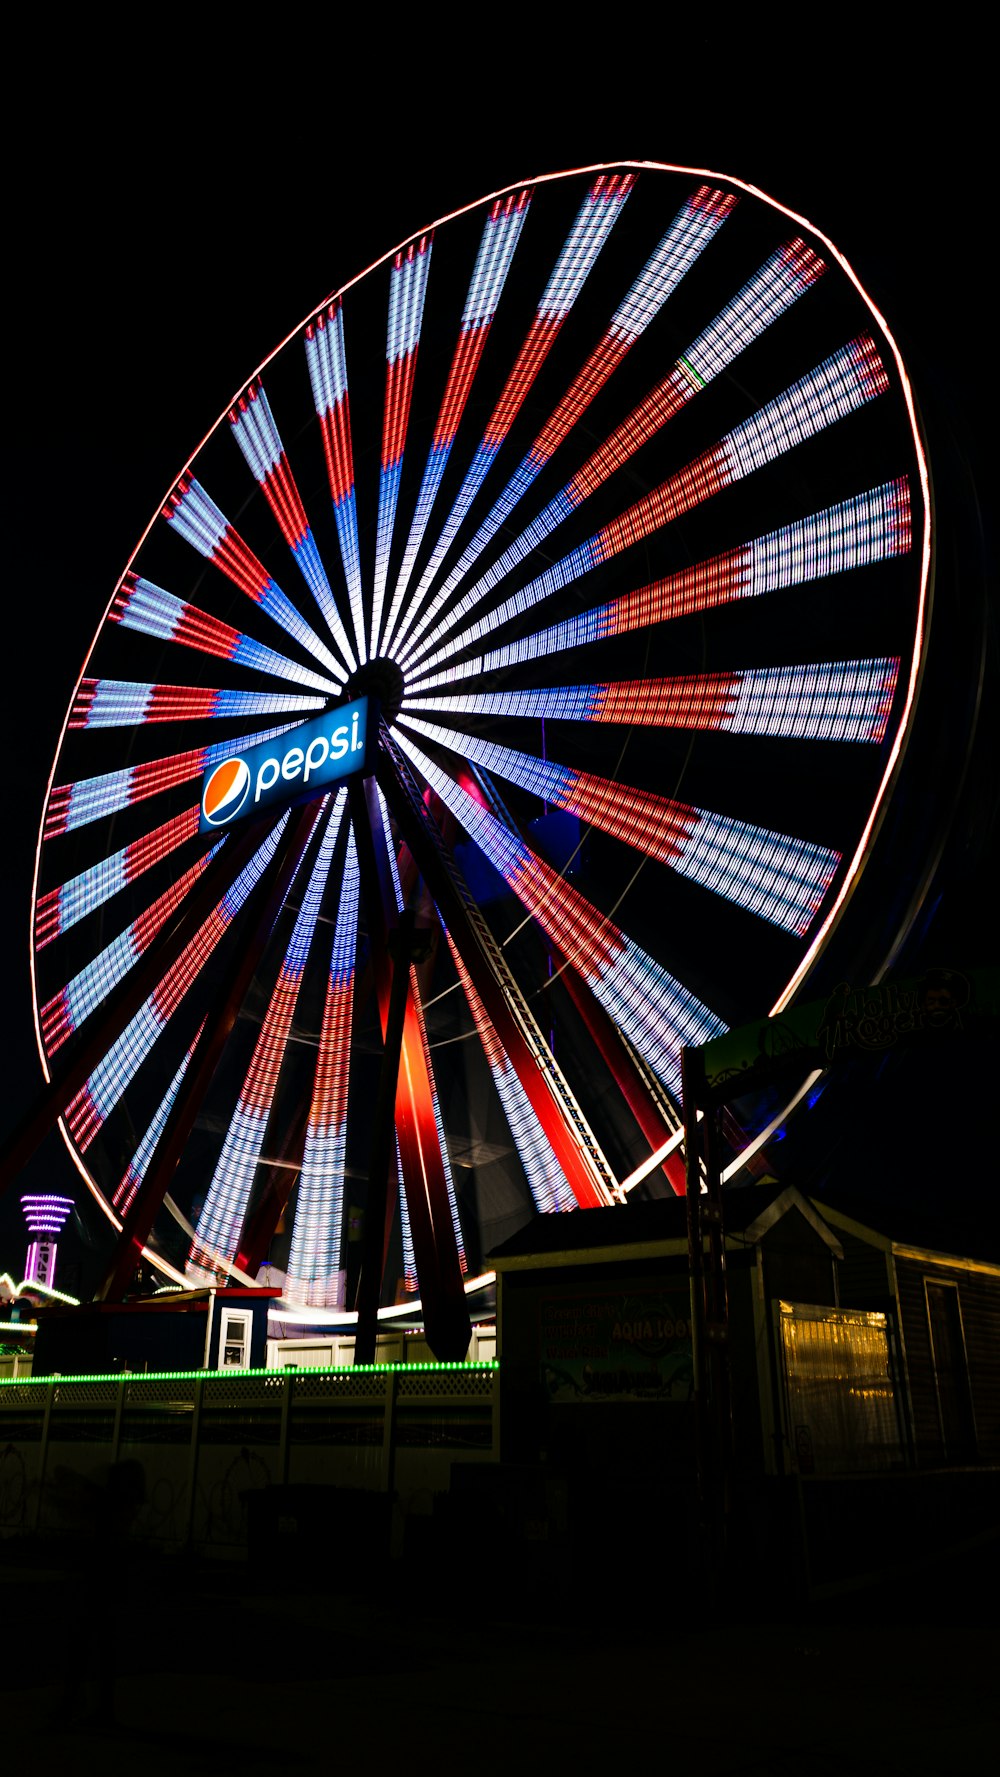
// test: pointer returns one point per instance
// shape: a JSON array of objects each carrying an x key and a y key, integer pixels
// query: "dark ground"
[{"x": 173, "y": 1666}]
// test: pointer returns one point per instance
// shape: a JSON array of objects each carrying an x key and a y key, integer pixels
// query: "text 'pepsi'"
[{"x": 275, "y": 773}]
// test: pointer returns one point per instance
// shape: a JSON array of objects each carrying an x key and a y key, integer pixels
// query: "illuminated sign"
[{"x": 302, "y": 762}]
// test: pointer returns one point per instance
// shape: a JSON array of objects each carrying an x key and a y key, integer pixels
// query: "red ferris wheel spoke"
[
  {"x": 89, "y": 988},
  {"x": 871, "y": 527},
  {"x": 193, "y": 514},
  {"x": 407, "y": 290},
  {"x": 93, "y": 798},
  {"x": 781, "y": 878},
  {"x": 60, "y": 908},
  {"x": 597, "y": 216},
  {"x": 117, "y": 703},
  {"x": 327, "y": 364},
  {"x": 843, "y": 700},
  {"x": 257, "y": 435},
  {"x": 501, "y": 234},
  {"x": 151, "y": 611},
  {"x": 839, "y": 386}
]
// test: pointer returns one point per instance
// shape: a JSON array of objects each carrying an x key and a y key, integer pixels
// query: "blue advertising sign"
[{"x": 303, "y": 762}]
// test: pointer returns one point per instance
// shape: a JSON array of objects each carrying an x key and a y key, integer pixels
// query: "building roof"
[
  {"x": 659, "y": 1228},
  {"x": 641, "y": 1230},
  {"x": 904, "y": 1226}
]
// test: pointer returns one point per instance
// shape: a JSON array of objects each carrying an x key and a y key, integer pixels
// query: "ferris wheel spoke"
[
  {"x": 60, "y": 908},
  {"x": 151, "y": 611},
  {"x": 694, "y": 226},
  {"x": 118, "y": 703},
  {"x": 222, "y": 1216},
  {"x": 260, "y": 443},
  {"x": 839, "y": 386},
  {"x": 844, "y": 700},
  {"x": 92, "y": 798},
  {"x": 778, "y": 877},
  {"x": 195, "y": 517},
  {"x": 327, "y": 365},
  {"x": 317, "y": 1235},
  {"x": 658, "y": 1015},
  {"x": 493, "y": 261},
  {"x": 89, "y": 1109},
  {"x": 89, "y": 988},
  {"x": 871, "y": 527},
  {"x": 131, "y": 1180},
  {"x": 597, "y": 216},
  {"x": 407, "y": 289},
  {"x": 546, "y": 1179}
]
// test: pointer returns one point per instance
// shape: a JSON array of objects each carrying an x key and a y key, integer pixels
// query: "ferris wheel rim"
[{"x": 902, "y": 725}]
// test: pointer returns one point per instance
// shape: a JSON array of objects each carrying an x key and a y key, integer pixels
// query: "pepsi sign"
[{"x": 303, "y": 762}]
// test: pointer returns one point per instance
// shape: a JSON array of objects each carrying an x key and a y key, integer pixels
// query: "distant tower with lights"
[{"x": 45, "y": 1217}]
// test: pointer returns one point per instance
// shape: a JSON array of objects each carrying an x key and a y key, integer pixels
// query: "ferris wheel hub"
[{"x": 379, "y": 678}]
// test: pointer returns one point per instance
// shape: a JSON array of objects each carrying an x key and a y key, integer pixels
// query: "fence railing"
[{"x": 174, "y": 1458}]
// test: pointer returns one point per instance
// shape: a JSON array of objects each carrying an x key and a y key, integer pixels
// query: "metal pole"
[{"x": 400, "y": 944}]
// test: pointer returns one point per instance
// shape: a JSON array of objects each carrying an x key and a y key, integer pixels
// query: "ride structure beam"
[
  {"x": 402, "y": 949},
  {"x": 626, "y": 1074},
  {"x": 80, "y": 1058},
  {"x": 446, "y": 1316},
  {"x": 254, "y": 929},
  {"x": 487, "y": 972}
]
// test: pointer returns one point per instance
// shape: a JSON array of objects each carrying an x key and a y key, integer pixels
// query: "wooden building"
[{"x": 851, "y": 1350}]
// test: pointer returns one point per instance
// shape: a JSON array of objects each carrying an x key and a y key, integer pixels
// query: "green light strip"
[{"x": 344, "y": 1372}]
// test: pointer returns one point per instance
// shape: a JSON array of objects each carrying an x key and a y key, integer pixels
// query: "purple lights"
[{"x": 45, "y": 1217}]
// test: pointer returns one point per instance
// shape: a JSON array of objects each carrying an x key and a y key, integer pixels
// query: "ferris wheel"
[{"x": 604, "y": 500}]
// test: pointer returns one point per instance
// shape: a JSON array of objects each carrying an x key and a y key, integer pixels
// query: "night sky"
[{"x": 165, "y": 230}]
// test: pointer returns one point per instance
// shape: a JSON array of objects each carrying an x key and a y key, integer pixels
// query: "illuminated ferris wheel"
[{"x": 603, "y": 503}]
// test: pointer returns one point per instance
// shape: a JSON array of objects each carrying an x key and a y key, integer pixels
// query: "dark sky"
[{"x": 167, "y": 223}]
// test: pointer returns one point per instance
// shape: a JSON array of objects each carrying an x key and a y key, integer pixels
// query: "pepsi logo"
[
  {"x": 289, "y": 767},
  {"x": 226, "y": 791}
]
